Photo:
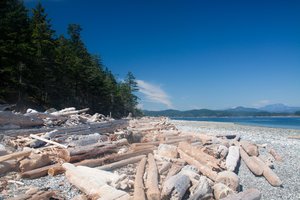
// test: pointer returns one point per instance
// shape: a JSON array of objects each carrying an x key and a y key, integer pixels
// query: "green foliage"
[{"x": 39, "y": 69}]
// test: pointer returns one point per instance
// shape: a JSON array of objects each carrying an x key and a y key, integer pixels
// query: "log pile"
[{"x": 166, "y": 163}]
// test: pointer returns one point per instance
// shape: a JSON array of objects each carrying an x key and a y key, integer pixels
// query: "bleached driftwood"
[
  {"x": 121, "y": 163},
  {"x": 39, "y": 172},
  {"x": 250, "y": 148},
  {"x": 202, "y": 190},
  {"x": 251, "y": 163},
  {"x": 70, "y": 111},
  {"x": 232, "y": 158},
  {"x": 7, "y": 117},
  {"x": 40, "y": 195},
  {"x": 34, "y": 161},
  {"x": 250, "y": 194},
  {"x": 139, "y": 193},
  {"x": 200, "y": 156},
  {"x": 269, "y": 174},
  {"x": 153, "y": 192},
  {"x": 202, "y": 168},
  {"x": 15, "y": 155},
  {"x": 275, "y": 155},
  {"x": 48, "y": 141},
  {"x": 175, "y": 186},
  {"x": 175, "y": 168},
  {"x": 229, "y": 179},
  {"x": 165, "y": 167},
  {"x": 221, "y": 191},
  {"x": 8, "y": 166},
  {"x": 94, "y": 182}
]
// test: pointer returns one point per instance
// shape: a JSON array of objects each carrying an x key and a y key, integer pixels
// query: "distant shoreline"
[{"x": 268, "y": 122}]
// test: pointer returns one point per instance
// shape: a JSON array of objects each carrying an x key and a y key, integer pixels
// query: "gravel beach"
[{"x": 277, "y": 138}]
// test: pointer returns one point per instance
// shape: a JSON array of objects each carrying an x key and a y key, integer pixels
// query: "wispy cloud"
[
  {"x": 154, "y": 93},
  {"x": 262, "y": 103}
]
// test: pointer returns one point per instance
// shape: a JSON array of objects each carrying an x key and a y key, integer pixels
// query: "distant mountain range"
[{"x": 269, "y": 110}]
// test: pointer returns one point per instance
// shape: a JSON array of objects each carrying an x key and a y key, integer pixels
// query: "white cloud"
[{"x": 154, "y": 93}]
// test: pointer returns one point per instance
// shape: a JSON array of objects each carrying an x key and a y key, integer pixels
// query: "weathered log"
[
  {"x": 71, "y": 111},
  {"x": 221, "y": 191},
  {"x": 269, "y": 174},
  {"x": 232, "y": 158},
  {"x": 175, "y": 168},
  {"x": 250, "y": 194},
  {"x": 7, "y": 117},
  {"x": 166, "y": 150},
  {"x": 165, "y": 167},
  {"x": 40, "y": 195},
  {"x": 121, "y": 163},
  {"x": 202, "y": 190},
  {"x": 200, "y": 156},
  {"x": 230, "y": 179},
  {"x": 82, "y": 129},
  {"x": 153, "y": 192},
  {"x": 48, "y": 141},
  {"x": 34, "y": 161},
  {"x": 204, "y": 169},
  {"x": 275, "y": 155},
  {"x": 39, "y": 172},
  {"x": 39, "y": 143},
  {"x": 8, "y": 166},
  {"x": 251, "y": 163},
  {"x": 139, "y": 193},
  {"x": 94, "y": 182},
  {"x": 175, "y": 186},
  {"x": 250, "y": 148},
  {"x": 15, "y": 155},
  {"x": 2, "y": 150},
  {"x": 90, "y": 151},
  {"x": 88, "y": 140}
]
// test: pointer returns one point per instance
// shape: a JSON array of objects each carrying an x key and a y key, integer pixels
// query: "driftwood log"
[
  {"x": 34, "y": 161},
  {"x": 153, "y": 192},
  {"x": 121, "y": 163},
  {"x": 250, "y": 194},
  {"x": 7, "y": 117},
  {"x": 200, "y": 156},
  {"x": 202, "y": 190},
  {"x": 251, "y": 163},
  {"x": 269, "y": 174},
  {"x": 94, "y": 182},
  {"x": 139, "y": 193},
  {"x": 15, "y": 155},
  {"x": 250, "y": 148},
  {"x": 232, "y": 158},
  {"x": 175, "y": 186},
  {"x": 40, "y": 195},
  {"x": 8, "y": 166},
  {"x": 275, "y": 155},
  {"x": 204, "y": 169}
]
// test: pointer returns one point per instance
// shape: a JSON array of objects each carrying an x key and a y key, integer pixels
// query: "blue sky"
[{"x": 193, "y": 54}]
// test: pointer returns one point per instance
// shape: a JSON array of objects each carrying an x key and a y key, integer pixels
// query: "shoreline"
[
  {"x": 276, "y": 138},
  {"x": 245, "y": 123}
]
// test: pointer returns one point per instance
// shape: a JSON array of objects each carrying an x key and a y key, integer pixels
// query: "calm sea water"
[{"x": 274, "y": 122}]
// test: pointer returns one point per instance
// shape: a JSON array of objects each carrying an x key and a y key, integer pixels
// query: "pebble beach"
[{"x": 277, "y": 138}]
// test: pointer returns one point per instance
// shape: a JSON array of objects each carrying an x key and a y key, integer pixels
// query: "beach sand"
[{"x": 277, "y": 138}]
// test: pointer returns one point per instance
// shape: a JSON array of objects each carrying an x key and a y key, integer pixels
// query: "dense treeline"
[{"x": 40, "y": 69}]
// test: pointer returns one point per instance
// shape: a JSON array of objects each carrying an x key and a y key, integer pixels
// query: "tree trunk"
[
  {"x": 34, "y": 161},
  {"x": 250, "y": 194}
]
